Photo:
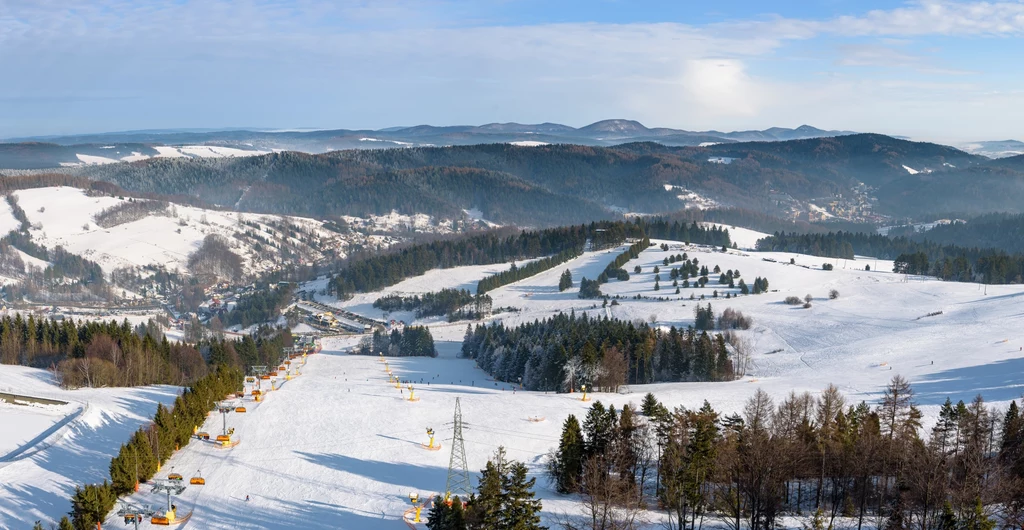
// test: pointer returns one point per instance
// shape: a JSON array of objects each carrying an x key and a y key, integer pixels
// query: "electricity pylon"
[{"x": 458, "y": 474}]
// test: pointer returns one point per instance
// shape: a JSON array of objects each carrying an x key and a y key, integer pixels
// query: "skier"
[{"x": 246, "y": 498}]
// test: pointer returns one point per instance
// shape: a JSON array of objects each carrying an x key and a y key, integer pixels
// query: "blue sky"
[{"x": 929, "y": 69}]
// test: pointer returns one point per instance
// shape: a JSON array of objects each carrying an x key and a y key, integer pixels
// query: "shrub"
[
  {"x": 792, "y": 300},
  {"x": 826, "y": 266},
  {"x": 807, "y": 305},
  {"x": 833, "y": 294},
  {"x": 733, "y": 319},
  {"x": 808, "y": 298}
]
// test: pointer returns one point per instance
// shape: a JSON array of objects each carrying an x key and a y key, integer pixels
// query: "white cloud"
[{"x": 355, "y": 63}]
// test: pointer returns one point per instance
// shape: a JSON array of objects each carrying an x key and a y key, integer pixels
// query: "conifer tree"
[
  {"x": 567, "y": 463},
  {"x": 520, "y": 510},
  {"x": 485, "y": 513}
]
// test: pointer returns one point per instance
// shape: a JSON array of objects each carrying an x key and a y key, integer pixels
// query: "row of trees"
[
  {"x": 947, "y": 262},
  {"x": 128, "y": 211},
  {"x": 381, "y": 270},
  {"x": 105, "y": 353},
  {"x": 151, "y": 445},
  {"x": 411, "y": 341},
  {"x": 567, "y": 351},
  {"x": 452, "y": 302},
  {"x": 807, "y": 455},
  {"x": 514, "y": 273}
]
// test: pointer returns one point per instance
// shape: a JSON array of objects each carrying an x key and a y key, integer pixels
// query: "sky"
[{"x": 927, "y": 69}]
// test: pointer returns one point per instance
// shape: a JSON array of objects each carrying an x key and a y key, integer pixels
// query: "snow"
[
  {"x": 477, "y": 215},
  {"x": 337, "y": 447},
  {"x": 745, "y": 238},
  {"x": 911, "y": 170},
  {"x": 67, "y": 220},
  {"x": 7, "y": 220},
  {"x": 529, "y": 143},
  {"x": 46, "y": 451}
]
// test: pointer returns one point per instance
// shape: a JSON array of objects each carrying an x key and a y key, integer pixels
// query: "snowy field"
[
  {"x": 46, "y": 451},
  {"x": 340, "y": 448},
  {"x": 64, "y": 216}
]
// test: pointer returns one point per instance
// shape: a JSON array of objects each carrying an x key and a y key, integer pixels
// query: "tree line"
[
  {"x": 150, "y": 446},
  {"x": 106, "y": 353},
  {"x": 516, "y": 273},
  {"x": 375, "y": 272},
  {"x": 411, "y": 341},
  {"x": 817, "y": 456},
  {"x": 564, "y": 352},
  {"x": 947, "y": 262},
  {"x": 451, "y": 302}
]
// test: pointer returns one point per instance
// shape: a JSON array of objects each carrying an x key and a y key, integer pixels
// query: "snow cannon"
[
  {"x": 414, "y": 498},
  {"x": 583, "y": 388},
  {"x": 430, "y": 446}
]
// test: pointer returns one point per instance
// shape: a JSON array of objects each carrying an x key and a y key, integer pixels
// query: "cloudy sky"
[{"x": 929, "y": 69}]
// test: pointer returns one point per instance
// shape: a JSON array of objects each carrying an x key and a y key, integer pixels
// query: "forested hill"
[
  {"x": 326, "y": 185},
  {"x": 562, "y": 184},
  {"x": 1002, "y": 231}
]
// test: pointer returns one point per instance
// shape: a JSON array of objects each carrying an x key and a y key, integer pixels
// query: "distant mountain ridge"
[
  {"x": 550, "y": 184},
  {"x": 54, "y": 151}
]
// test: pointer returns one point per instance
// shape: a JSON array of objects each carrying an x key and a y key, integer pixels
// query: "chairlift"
[{"x": 197, "y": 480}]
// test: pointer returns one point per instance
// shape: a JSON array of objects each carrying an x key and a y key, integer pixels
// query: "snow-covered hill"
[
  {"x": 338, "y": 447},
  {"x": 46, "y": 451}
]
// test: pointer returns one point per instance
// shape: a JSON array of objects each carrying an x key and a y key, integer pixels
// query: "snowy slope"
[
  {"x": 64, "y": 216},
  {"x": 71, "y": 445},
  {"x": 339, "y": 448}
]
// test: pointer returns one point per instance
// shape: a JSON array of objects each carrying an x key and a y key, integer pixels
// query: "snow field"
[
  {"x": 67, "y": 215},
  {"x": 38, "y": 481}
]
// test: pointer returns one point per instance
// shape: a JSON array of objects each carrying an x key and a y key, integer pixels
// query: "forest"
[
  {"x": 381, "y": 270},
  {"x": 566, "y": 351},
  {"x": 411, "y": 341},
  {"x": 453, "y": 303},
  {"x": 263, "y": 305},
  {"x": 95, "y": 354},
  {"x": 947, "y": 262},
  {"x": 836, "y": 463}
]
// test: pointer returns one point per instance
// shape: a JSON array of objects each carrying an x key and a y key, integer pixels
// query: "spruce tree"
[
  {"x": 65, "y": 524},
  {"x": 520, "y": 510},
  {"x": 486, "y": 507},
  {"x": 567, "y": 463},
  {"x": 649, "y": 405}
]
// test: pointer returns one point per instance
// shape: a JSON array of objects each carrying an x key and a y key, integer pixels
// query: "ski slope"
[
  {"x": 338, "y": 447},
  {"x": 46, "y": 451}
]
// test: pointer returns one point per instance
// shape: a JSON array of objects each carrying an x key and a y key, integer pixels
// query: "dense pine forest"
[
  {"x": 567, "y": 351},
  {"x": 261, "y": 306},
  {"x": 455, "y": 303},
  {"x": 411, "y": 341},
  {"x": 94, "y": 354},
  {"x": 813, "y": 455},
  {"x": 946, "y": 262}
]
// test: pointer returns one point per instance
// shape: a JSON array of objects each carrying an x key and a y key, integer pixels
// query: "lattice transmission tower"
[{"x": 458, "y": 472}]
